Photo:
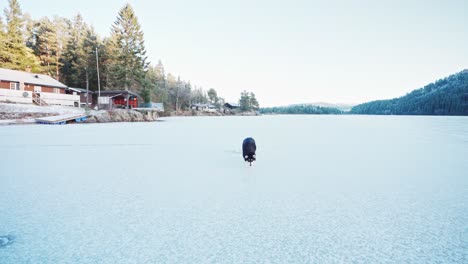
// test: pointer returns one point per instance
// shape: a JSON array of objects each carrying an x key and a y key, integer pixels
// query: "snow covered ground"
[
  {"x": 29, "y": 108},
  {"x": 350, "y": 189}
]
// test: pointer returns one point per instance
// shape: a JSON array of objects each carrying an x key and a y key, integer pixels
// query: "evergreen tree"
[
  {"x": 213, "y": 96},
  {"x": 15, "y": 55},
  {"x": 62, "y": 29},
  {"x": 45, "y": 45},
  {"x": 253, "y": 102},
  {"x": 88, "y": 66},
  {"x": 4, "y": 56},
  {"x": 157, "y": 79},
  {"x": 128, "y": 64},
  {"x": 75, "y": 58},
  {"x": 244, "y": 101}
]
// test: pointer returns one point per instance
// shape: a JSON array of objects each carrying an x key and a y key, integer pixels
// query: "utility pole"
[
  {"x": 87, "y": 87},
  {"x": 98, "y": 80}
]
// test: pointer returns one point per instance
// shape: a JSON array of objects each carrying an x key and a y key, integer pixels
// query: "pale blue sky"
[{"x": 293, "y": 51}]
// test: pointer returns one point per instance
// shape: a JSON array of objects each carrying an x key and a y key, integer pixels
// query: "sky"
[{"x": 289, "y": 52}]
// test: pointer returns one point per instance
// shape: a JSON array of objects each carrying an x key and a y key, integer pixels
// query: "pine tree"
[
  {"x": 45, "y": 45},
  {"x": 253, "y": 102},
  {"x": 15, "y": 55},
  {"x": 4, "y": 56},
  {"x": 244, "y": 101},
  {"x": 89, "y": 45},
  {"x": 128, "y": 63},
  {"x": 75, "y": 58},
  {"x": 157, "y": 78},
  {"x": 62, "y": 29}
]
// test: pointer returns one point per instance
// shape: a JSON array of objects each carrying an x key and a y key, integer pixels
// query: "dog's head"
[{"x": 251, "y": 157}]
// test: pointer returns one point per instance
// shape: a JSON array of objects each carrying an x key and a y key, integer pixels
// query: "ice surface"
[{"x": 361, "y": 189}]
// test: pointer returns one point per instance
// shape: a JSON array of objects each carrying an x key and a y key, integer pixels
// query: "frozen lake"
[{"x": 365, "y": 189}]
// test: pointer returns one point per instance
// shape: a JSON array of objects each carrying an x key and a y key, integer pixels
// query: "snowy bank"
[
  {"x": 120, "y": 115},
  {"x": 21, "y": 114}
]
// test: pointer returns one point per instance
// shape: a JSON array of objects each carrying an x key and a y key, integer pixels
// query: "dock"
[{"x": 61, "y": 119}]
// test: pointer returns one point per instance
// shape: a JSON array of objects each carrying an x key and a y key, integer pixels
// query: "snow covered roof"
[
  {"x": 79, "y": 90},
  {"x": 29, "y": 78}
]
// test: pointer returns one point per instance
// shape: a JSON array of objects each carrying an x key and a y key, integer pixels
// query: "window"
[
  {"x": 56, "y": 90},
  {"x": 37, "y": 89},
  {"x": 14, "y": 86}
]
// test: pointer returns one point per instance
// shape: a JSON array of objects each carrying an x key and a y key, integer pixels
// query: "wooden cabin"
[
  {"x": 231, "y": 105},
  {"x": 119, "y": 99},
  {"x": 27, "y": 87}
]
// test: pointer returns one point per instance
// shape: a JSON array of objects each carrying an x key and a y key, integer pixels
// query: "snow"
[
  {"x": 365, "y": 189},
  {"x": 30, "y": 108}
]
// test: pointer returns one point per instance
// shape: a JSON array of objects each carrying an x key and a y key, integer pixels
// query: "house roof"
[
  {"x": 232, "y": 105},
  {"x": 29, "y": 78},
  {"x": 80, "y": 90},
  {"x": 116, "y": 92},
  {"x": 200, "y": 105}
]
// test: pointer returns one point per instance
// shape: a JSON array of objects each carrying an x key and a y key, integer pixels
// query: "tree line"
[
  {"x": 448, "y": 96},
  {"x": 66, "y": 49},
  {"x": 301, "y": 109}
]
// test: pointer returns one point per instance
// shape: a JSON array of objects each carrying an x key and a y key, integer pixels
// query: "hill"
[{"x": 448, "y": 96}]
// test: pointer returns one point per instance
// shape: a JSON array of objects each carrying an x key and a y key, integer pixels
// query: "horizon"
[{"x": 295, "y": 53}]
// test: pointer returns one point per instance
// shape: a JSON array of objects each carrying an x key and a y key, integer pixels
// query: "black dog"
[{"x": 248, "y": 150}]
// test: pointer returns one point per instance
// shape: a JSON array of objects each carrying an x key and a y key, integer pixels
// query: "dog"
[{"x": 248, "y": 150}]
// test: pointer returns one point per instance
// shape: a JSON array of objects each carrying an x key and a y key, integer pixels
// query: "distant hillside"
[
  {"x": 300, "y": 109},
  {"x": 447, "y": 96},
  {"x": 342, "y": 107}
]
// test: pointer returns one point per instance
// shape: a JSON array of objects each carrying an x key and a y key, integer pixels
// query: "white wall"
[
  {"x": 15, "y": 96},
  {"x": 60, "y": 99}
]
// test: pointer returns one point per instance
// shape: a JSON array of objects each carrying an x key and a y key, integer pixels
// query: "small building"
[
  {"x": 204, "y": 107},
  {"x": 199, "y": 107},
  {"x": 29, "y": 88},
  {"x": 86, "y": 96},
  {"x": 118, "y": 99},
  {"x": 212, "y": 108},
  {"x": 231, "y": 105}
]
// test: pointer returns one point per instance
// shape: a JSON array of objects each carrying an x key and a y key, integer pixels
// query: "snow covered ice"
[{"x": 324, "y": 189}]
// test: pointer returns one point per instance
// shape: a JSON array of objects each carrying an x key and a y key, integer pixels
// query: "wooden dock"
[{"x": 61, "y": 119}]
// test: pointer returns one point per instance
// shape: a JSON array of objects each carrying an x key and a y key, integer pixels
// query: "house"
[
  {"x": 118, "y": 99},
  {"x": 29, "y": 88},
  {"x": 212, "y": 108},
  {"x": 199, "y": 107},
  {"x": 231, "y": 105},
  {"x": 204, "y": 107},
  {"x": 86, "y": 96}
]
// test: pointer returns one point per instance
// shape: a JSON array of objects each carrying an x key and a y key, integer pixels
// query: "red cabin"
[{"x": 121, "y": 99}]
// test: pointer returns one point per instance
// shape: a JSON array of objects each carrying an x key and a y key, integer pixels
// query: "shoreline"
[{"x": 22, "y": 114}]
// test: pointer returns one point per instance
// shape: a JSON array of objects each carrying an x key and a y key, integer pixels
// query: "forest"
[
  {"x": 300, "y": 109},
  {"x": 448, "y": 96}
]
